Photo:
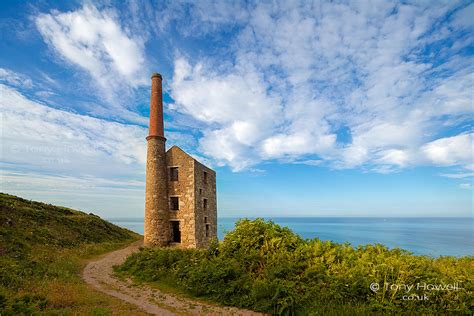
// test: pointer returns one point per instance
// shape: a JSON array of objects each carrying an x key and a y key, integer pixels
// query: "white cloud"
[
  {"x": 44, "y": 94},
  {"x": 297, "y": 74},
  {"x": 459, "y": 175},
  {"x": 96, "y": 42},
  {"x": 30, "y": 127},
  {"x": 189, "y": 19},
  {"x": 60, "y": 156},
  {"x": 220, "y": 98},
  {"x": 56, "y": 147},
  {"x": 105, "y": 197},
  {"x": 291, "y": 76},
  {"x": 463, "y": 18},
  {"x": 394, "y": 157},
  {"x": 453, "y": 95},
  {"x": 466, "y": 186},
  {"x": 70, "y": 159},
  {"x": 14, "y": 79},
  {"x": 238, "y": 107},
  {"x": 66, "y": 184},
  {"x": 296, "y": 144},
  {"x": 451, "y": 151}
]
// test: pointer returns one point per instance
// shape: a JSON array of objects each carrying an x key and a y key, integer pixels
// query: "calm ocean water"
[{"x": 423, "y": 236}]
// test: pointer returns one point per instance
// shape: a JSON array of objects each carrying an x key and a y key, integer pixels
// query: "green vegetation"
[
  {"x": 264, "y": 267},
  {"x": 42, "y": 252}
]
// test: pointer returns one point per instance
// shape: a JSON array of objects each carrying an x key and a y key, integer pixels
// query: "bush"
[{"x": 264, "y": 267}]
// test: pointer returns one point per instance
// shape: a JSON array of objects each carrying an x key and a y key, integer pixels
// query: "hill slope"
[{"x": 42, "y": 250}]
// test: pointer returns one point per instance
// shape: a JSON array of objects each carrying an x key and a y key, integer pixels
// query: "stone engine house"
[{"x": 180, "y": 197}]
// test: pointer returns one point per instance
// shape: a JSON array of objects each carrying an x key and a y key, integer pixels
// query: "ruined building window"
[
  {"x": 205, "y": 219},
  {"x": 174, "y": 174},
  {"x": 200, "y": 191},
  {"x": 207, "y": 230},
  {"x": 204, "y": 204},
  {"x": 174, "y": 203},
  {"x": 205, "y": 177}
]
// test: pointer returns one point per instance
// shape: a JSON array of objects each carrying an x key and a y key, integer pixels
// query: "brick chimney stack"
[
  {"x": 156, "y": 106},
  {"x": 156, "y": 192}
]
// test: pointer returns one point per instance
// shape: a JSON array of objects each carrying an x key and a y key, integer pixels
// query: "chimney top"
[
  {"x": 156, "y": 127},
  {"x": 155, "y": 74}
]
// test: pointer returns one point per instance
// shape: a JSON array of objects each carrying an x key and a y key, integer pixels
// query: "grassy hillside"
[
  {"x": 43, "y": 249},
  {"x": 262, "y": 266}
]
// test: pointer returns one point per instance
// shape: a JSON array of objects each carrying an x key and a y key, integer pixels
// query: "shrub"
[{"x": 264, "y": 267}]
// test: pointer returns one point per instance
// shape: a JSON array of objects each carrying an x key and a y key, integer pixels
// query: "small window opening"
[
  {"x": 205, "y": 219},
  {"x": 174, "y": 174},
  {"x": 205, "y": 177},
  {"x": 207, "y": 230},
  {"x": 200, "y": 191},
  {"x": 204, "y": 204},
  {"x": 174, "y": 203}
]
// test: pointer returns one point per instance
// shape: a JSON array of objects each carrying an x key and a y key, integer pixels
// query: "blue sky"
[{"x": 326, "y": 109}]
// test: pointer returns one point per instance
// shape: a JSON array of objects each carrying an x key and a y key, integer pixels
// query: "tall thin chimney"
[
  {"x": 156, "y": 106},
  {"x": 157, "y": 231}
]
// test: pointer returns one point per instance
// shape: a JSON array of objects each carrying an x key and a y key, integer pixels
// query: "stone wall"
[
  {"x": 184, "y": 190},
  {"x": 205, "y": 189},
  {"x": 197, "y": 219},
  {"x": 156, "y": 194}
]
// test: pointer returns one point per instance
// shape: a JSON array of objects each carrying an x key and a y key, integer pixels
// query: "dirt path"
[{"x": 99, "y": 274}]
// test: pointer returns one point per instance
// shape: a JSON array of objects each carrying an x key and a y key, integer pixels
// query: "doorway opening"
[{"x": 175, "y": 232}]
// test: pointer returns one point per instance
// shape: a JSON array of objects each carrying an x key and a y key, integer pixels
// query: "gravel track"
[{"x": 99, "y": 274}]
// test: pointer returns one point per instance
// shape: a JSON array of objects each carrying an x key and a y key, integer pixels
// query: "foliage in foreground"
[
  {"x": 265, "y": 267},
  {"x": 42, "y": 251}
]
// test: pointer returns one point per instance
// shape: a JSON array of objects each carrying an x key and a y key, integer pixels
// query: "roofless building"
[{"x": 180, "y": 197}]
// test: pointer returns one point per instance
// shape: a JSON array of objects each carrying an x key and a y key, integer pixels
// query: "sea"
[{"x": 422, "y": 236}]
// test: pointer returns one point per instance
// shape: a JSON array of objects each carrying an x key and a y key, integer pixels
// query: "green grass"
[
  {"x": 43, "y": 249},
  {"x": 262, "y": 266}
]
